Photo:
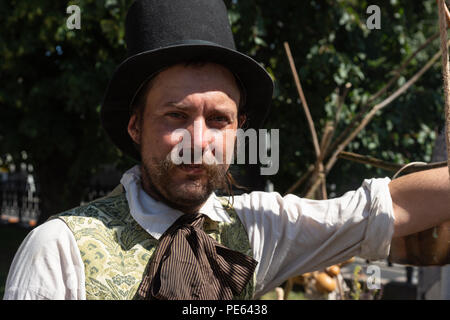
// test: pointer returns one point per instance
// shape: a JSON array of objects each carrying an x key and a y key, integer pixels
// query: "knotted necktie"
[{"x": 190, "y": 265}]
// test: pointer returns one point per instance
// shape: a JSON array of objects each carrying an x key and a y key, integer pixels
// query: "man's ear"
[{"x": 134, "y": 129}]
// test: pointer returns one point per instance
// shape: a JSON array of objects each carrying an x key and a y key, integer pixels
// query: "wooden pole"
[{"x": 445, "y": 71}]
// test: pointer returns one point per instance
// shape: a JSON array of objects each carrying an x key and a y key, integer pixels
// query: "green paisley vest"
[{"x": 115, "y": 249}]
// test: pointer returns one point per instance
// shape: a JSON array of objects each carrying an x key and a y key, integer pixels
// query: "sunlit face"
[{"x": 183, "y": 97}]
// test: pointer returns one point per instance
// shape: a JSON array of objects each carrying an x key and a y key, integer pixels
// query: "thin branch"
[
  {"x": 318, "y": 168},
  {"x": 314, "y": 170},
  {"x": 377, "y": 108},
  {"x": 388, "y": 166},
  {"x": 367, "y": 105},
  {"x": 324, "y": 143},
  {"x": 326, "y": 139},
  {"x": 302, "y": 180},
  {"x": 323, "y": 186},
  {"x": 303, "y": 100},
  {"x": 370, "y": 160},
  {"x": 317, "y": 183},
  {"x": 397, "y": 72}
]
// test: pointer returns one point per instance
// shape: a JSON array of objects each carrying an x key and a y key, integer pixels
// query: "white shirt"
[{"x": 289, "y": 236}]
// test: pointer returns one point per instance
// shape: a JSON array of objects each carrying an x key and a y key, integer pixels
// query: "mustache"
[
  {"x": 212, "y": 170},
  {"x": 161, "y": 170},
  {"x": 204, "y": 160}
]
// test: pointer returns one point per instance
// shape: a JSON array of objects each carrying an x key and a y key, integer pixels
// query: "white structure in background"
[
  {"x": 19, "y": 200},
  {"x": 434, "y": 282},
  {"x": 30, "y": 203}
]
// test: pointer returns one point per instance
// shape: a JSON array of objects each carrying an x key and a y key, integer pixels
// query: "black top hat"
[{"x": 161, "y": 33}]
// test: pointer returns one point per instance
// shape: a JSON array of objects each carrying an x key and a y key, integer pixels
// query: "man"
[{"x": 164, "y": 234}]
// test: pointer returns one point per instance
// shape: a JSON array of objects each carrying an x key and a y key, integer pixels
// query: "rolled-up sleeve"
[{"x": 292, "y": 235}]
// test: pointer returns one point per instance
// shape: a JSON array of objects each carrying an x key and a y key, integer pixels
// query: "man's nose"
[{"x": 200, "y": 138}]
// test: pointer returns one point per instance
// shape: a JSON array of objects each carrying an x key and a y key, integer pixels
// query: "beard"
[{"x": 189, "y": 193}]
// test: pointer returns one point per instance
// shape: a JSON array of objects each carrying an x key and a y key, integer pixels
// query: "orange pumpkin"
[
  {"x": 324, "y": 283},
  {"x": 333, "y": 271}
]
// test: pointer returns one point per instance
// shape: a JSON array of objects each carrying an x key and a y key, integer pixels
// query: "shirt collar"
[{"x": 156, "y": 217}]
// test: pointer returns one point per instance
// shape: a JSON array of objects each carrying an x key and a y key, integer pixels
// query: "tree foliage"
[
  {"x": 53, "y": 80},
  {"x": 332, "y": 46}
]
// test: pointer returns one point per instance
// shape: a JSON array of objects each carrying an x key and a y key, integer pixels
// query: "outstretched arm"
[
  {"x": 421, "y": 204},
  {"x": 421, "y": 200}
]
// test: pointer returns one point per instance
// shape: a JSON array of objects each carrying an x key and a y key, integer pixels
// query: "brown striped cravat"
[{"x": 190, "y": 265}]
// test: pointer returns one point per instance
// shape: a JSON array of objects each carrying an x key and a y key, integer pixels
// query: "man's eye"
[
  {"x": 176, "y": 115},
  {"x": 219, "y": 119}
]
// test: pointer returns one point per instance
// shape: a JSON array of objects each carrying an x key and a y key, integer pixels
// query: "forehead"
[{"x": 181, "y": 80}]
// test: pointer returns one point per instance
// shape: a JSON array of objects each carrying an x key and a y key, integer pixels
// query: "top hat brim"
[{"x": 134, "y": 71}]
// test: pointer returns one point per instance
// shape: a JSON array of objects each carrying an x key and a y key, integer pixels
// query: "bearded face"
[
  {"x": 198, "y": 100},
  {"x": 193, "y": 190}
]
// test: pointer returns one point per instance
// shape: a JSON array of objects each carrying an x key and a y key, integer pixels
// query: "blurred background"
[{"x": 54, "y": 154}]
